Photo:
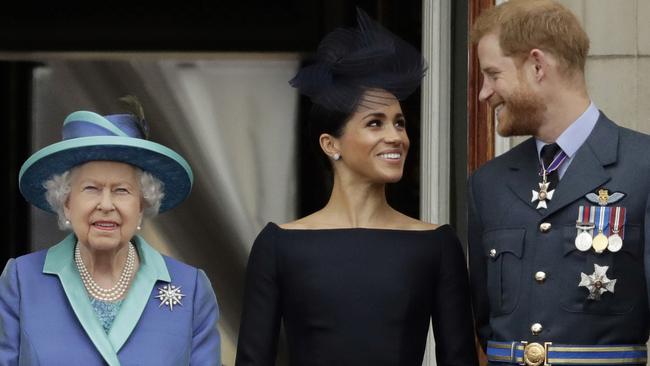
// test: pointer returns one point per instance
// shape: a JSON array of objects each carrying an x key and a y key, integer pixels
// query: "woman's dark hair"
[
  {"x": 323, "y": 120},
  {"x": 350, "y": 63}
]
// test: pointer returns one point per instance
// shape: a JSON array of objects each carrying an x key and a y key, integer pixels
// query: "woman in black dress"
[{"x": 357, "y": 282}]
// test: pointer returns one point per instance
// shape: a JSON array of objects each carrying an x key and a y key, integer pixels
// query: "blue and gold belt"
[{"x": 549, "y": 354}]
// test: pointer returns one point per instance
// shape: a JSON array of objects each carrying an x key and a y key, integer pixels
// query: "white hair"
[
  {"x": 152, "y": 190},
  {"x": 57, "y": 191}
]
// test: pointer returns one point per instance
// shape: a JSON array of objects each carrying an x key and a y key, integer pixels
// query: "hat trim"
[
  {"x": 96, "y": 119},
  {"x": 106, "y": 141}
]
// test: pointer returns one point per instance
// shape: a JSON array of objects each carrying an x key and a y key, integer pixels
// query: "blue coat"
[{"x": 46, "y": 317}]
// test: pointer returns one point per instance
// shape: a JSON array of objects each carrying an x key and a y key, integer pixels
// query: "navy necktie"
[{"x": 549, "y": 152}]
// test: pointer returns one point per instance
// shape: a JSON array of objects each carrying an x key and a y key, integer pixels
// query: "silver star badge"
[
  {"x": 597, "y": 283},
  {"x": 543, "y": 195},
  {"x": 170, "y": 295}
]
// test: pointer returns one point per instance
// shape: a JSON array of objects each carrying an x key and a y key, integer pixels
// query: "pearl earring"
[
  {"x": 67, "y": 223},
  {"x": 337, "y": 156},
  {"x": 138, "y": 227}
]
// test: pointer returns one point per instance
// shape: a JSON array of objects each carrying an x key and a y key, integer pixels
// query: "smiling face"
[
  {"x": 374, "y": 142},
  {"x": 104, "y": 206},
  {"x": 508, "y": 90}
]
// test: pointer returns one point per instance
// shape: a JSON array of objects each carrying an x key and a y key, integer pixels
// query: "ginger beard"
[{"x": 521, "y": 113}]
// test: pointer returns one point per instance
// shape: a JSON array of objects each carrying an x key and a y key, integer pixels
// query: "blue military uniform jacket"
[
  {"x": 525, "y": 268},
  {"x": 46, "y": 317}
]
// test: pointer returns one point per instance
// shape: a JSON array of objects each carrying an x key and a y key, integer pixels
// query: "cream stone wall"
[{"x": 618, "y": 68}]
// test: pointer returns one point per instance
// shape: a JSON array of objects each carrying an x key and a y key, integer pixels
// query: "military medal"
[
  {"x": 615, "y": 243},
  {"x": 597, "y": 283},
  {"x": 600, "y": 241},
  {"x": 585, "y": 226},
  {"x": 615, "y": 240},
  {"x": 544, "y": 194},
  {"x": 583, "y": 241}
]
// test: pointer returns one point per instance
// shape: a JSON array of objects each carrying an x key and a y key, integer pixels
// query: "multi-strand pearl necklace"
[{"x": 98, "y": 292}]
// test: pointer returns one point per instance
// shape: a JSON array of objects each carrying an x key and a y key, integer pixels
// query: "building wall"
[{"x": 618, "y": 68}]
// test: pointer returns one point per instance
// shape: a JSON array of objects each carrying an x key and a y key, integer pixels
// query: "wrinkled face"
[
  {"x": 104, "y": 206},
  {"x": 507, "y": 89},
  {"x": 374, "y": 143}
]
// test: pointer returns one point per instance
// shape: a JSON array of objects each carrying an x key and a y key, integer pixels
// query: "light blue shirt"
[{"x": 574, "y": 136}]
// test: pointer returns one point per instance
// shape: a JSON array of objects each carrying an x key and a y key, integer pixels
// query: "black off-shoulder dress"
[{"x": 356, "y": 297}]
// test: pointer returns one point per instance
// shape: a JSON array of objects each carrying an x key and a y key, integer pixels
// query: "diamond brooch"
[{"x": 170, "y": 295}]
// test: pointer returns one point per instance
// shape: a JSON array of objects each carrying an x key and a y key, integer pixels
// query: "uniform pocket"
[
  {"x": 625, "y": 266},
  {"x": 504, "y": 250}
]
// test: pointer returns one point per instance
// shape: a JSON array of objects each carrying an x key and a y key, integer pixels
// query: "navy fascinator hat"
[{"x": 350, "y": 62}]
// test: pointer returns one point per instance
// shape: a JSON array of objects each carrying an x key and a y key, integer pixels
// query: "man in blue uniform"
[{"x": 557, "y": 225}]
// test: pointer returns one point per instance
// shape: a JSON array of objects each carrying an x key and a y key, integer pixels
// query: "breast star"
[{"x": 597, "y": 283}]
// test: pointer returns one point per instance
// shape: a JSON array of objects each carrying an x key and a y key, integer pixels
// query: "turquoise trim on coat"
[
  {"x": 60, "y": 261},
  {"x": 152, "y": 269}
]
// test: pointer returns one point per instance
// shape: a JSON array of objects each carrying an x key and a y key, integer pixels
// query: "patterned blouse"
[{"x": 106, "y": 312}]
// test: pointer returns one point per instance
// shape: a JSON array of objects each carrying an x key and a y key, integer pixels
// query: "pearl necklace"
[{"x": 98, "y": 292}]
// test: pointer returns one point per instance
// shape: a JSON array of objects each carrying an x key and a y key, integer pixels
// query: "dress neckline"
[{"x": 369, "y": 229}]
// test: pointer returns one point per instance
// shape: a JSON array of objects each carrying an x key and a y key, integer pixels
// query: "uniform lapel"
[
  {"x": 59, "y": 261},
  {"x": 587, "y": 170},
  {"x": 152, "y": 269},
  {"x": 524, "y": 173}
]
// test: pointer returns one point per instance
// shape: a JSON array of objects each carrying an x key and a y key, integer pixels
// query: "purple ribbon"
[{"x": 555, "y": 164}]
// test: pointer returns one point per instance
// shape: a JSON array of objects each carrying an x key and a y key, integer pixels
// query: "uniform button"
[
  {"x": 540, "y": 277},
  {"x": 536, "y": 328},
  {"x": 493, "y": 253},
  {"x": 545, "y": 227}
]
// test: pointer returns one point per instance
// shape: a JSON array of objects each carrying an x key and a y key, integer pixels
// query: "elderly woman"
[{"x": 103, "y": 295}]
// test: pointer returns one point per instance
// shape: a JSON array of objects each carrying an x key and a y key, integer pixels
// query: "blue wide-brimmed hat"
[{"x": 88, "y": 136}]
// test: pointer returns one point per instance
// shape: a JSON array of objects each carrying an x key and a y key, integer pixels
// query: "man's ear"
[{"x": 539, "y": 63}]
